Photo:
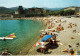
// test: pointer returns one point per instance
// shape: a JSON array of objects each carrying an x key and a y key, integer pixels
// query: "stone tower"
[{"x": 20, "y": 10}]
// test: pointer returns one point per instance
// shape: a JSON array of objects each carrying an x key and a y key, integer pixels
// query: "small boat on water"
[{"x": 11, "y": 36}]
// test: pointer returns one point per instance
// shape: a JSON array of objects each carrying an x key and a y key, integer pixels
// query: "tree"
[
  {"x": 69, "y": 12},
  {"x": 61, "y": 12}
]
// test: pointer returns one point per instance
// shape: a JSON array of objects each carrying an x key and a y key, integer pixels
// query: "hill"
[
  {"x": 4, "y": 10},
  {"x": 52, "y": 9}
]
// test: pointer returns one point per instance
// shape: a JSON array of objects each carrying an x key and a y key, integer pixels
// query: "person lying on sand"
[
  {"x": 75, "y": 24},
  {"x": 69, "y": 50},
  {"x": 74, "y": 31},
  {"x": 69, "y": 26}
]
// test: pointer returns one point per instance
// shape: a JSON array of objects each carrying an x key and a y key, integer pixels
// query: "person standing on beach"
[{"x": 54, "y": 37}]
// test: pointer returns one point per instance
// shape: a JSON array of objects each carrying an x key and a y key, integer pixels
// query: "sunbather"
[{"x": 69, "y": 50}]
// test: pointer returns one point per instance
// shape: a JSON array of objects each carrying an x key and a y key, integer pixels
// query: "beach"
[{"x": 64, "y": 36}]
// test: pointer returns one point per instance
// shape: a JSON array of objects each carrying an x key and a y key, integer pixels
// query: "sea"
[{"x": 26, "y": 32}]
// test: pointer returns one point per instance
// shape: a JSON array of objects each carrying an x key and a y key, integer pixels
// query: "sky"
[{"x": 39, "y": 3}]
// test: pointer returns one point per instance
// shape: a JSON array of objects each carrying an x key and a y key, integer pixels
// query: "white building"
[{"x": 16, "y": 12}]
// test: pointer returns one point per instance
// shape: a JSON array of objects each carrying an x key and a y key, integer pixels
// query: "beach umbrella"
[
  {"x": 37, "y": 44},
  {"x": 46, "y": 37}
]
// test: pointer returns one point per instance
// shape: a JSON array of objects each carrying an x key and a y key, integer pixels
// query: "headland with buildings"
[{"x": 40, "y": 12}]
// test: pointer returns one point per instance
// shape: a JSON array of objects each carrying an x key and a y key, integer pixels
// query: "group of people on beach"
[
  {"x": 51, "y": 42},
  {"x": 50, "y": 24}
]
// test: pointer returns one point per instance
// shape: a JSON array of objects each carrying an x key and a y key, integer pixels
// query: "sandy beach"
[{"x": 63, "y": 36}]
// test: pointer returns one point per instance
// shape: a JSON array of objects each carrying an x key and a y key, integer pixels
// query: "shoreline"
[
  {"x": 27, "y": 18},
  {"x": 30, "y": 43},
  {"x": 63, "y": 36},
  {"x": 22, "y": 52}
]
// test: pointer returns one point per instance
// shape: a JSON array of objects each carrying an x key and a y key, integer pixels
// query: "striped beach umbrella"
[{"x": 37, "y": 44}]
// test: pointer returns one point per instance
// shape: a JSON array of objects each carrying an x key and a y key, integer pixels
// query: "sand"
[{"x": 63, "y": 36}]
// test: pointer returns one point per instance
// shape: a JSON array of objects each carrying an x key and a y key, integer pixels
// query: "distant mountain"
[
  {"x": 70, "y": 7},
  {"x": 56, "y": 9},
  {"x": 52, "y": 9},
  {"x": 16, "y": 8},
  {"x": 13, "y": 8},
  {"x": 4, "y": 10}
]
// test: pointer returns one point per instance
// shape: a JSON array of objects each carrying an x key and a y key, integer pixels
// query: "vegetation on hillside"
[
  {"x": 62, "y": 12},
  {"x": 4, "y": 10}
]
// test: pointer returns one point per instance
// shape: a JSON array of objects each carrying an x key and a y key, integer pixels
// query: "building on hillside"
[
  {"x": 30, "y": 12},
  {"x": 16, "y": 12},
  {"x": 19, "y": 13},
  {"x": 35, "y": 12}
]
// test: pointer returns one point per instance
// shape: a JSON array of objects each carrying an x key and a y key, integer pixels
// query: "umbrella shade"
[
  {"x": 46, "y": 37},
  {"x": 37, "y": 44}
]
